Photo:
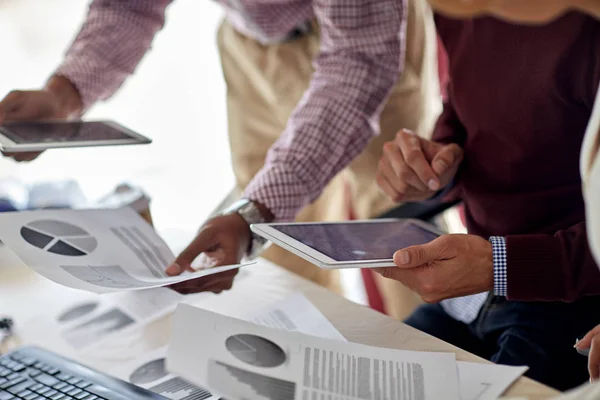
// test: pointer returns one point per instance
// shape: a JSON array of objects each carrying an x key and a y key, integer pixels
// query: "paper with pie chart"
[
  {"x": 242, "y": 360},
  {"x": 96, "y": 250}
]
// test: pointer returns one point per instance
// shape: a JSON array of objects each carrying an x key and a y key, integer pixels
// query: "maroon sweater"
[{"x": 519, "y": 101}]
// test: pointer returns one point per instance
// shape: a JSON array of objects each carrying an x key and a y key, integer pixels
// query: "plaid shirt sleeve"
[
  {"x": 361, "y": 56},
  {"x": 110, "y": 44},
  {"x": 500, "y": 265}
]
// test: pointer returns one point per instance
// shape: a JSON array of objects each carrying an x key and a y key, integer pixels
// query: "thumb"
[
  {"x": 586, "y": 342},
  {"x": 448, "y": 156},
  {"x": 416, "y": 256},
  {"x": 203, "y": 242}
]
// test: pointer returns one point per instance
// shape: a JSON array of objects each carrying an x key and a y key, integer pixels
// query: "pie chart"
[
  {"x": 59, "y": 237},
  {"x": 255, "y": 350}
]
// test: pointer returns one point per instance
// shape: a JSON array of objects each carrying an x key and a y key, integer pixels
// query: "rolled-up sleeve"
[
  {"x": 110, "y": 44},
  {"x": 361, "y": 57}
]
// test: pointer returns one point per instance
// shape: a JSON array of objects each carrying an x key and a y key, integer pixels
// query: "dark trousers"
[{"x": 540, "y": 335}]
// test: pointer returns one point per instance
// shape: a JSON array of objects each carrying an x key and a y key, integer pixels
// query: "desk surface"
[{"x": 23, "y": 291}]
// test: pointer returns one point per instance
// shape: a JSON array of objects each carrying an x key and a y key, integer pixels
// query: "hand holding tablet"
[{"x": 355, "y": 244}]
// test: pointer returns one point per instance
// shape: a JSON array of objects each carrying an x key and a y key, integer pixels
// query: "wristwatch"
[{"x": 246, "y": 209}]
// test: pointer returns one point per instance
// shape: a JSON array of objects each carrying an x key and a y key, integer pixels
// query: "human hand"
[
  {"x": 58, "y": 100},
  {"x": 592, "y": 341},
  {"x": 450, "y": 266},
  {"x": 413, "y": 168},
  {"x": 223, "y": 240}
]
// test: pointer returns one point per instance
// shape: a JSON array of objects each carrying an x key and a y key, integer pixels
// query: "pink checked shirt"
[{"x": 362, "y": 51}]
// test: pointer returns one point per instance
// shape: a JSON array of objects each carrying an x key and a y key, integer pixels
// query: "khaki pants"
[{"x": 264, "y": 84}]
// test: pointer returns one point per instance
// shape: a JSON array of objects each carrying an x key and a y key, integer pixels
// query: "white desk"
[{"x": 23, "y": 294}]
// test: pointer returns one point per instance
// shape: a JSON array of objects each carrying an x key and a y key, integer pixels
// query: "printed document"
[
  {"x": 149, "y": 372},
  {"x": 93, "y": 319},
  {"x": 96, "y": 250},
  {"x": 242, "y": 360},
  {"x": 296, "y": 313}
]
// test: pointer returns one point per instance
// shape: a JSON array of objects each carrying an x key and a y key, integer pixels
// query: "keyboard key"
[
  {"x": 3, "y": 380},
  {"x": 82, "y": 395},
  {"x": 39, "y": 365},
  {"x": 6, "y": 395},
  {"x": 47, "y": 380},
  {"x": 74, "y": 381},
  {"x": 59, "y": 385},
  {"x": 53, "y": 371},
  {"x": 25, "y": 385},
  {"x": 33, "y": 396},
  {"x": 63, "y": 377},
  {"x": 5, "y": 361},
  {"x": 28, "y": 361},
  {"x": 18, "y": 367},
  {"x": 50, "y": 393},
  {"x": 43, "y": 390},
  {"x": 12, "y": 383},
  {"x": 67, "y": 389},
  {"x": 74, "y": 392},
  {"x": 12, "y": 376},
  {"x": 59, "y": 396},
  {"x": 83, "y": 384},
  {"x": 36, "y": 387},
  {"x": 5, "y": 371},
  {"x": 33, "y": 372},
  {"x": 25, "y": 393}
]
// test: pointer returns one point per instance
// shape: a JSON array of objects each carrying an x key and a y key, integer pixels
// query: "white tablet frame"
[
  {"x": 7, "y": 145},
  {"x": 321, "y": 260}
]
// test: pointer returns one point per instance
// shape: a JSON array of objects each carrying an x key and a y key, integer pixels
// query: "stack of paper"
[{"x": 241, "y": 360}]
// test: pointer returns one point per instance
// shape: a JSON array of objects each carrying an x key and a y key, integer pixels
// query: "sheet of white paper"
[
  {"x": 486, "y": 381},
  {"x": 93, "y": 319},
  {"x": 243, "y": 360},
  {"x": 296, "y": 313},
  {"x": 149, "y": 372},
  {"x": 96, "y": 250}
]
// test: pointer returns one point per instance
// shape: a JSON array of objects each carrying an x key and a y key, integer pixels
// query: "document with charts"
[
  {"x": 242, "y": 360},
  {"x": 96, "y": 250},
  {"x": 91, "y": 319},
  {"x": 296, "y": 313}
]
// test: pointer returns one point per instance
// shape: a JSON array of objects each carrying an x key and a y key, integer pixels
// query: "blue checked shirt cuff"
[{"x": 499, "y": 259}]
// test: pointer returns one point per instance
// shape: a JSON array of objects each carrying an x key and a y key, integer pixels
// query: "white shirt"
[{"x": 590, "y": 176}]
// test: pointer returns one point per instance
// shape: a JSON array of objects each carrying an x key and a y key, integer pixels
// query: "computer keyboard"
[{"x": 31, "y": 373}]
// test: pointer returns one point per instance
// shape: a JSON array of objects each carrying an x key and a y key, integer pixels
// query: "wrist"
[
  {"x": 500, "y": 265},
  {"x": 67, "y": 96}
]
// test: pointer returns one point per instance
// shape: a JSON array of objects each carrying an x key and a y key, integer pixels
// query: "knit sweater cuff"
[{"x": 533, "y": 268}]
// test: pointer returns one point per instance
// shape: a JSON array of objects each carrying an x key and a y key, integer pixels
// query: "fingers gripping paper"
[{"x": 95, "y": 250}]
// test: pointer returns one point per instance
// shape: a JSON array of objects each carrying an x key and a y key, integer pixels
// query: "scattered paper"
[
  {"x": 486, "y": 381},
  {"x": 149, "y": 372},
  {"x": 96, "y": 250},
  {"x": 93, "y": 319},
  {"x": 296, "y": 313},
  {"x": 243, "y": 360}
]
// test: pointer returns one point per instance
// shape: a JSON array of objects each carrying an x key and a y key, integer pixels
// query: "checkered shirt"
[
  {"x": 466, "y": 308},
  {"x": 362, "y": 49}
]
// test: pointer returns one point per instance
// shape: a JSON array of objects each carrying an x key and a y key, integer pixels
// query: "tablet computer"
[
  {"x": 353, "y": 244},
  {"x": 25, "y": 136}
]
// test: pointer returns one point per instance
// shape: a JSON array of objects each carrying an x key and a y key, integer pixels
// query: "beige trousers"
[{"x": 264, "y": 84}]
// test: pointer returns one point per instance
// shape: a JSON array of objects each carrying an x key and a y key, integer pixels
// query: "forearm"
[
  {"x": 110, "y": 44},
  {"x": 360, "y": 60},
  {"x": 66, "y": 95},
  {"x": 555, "y": 267}
]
